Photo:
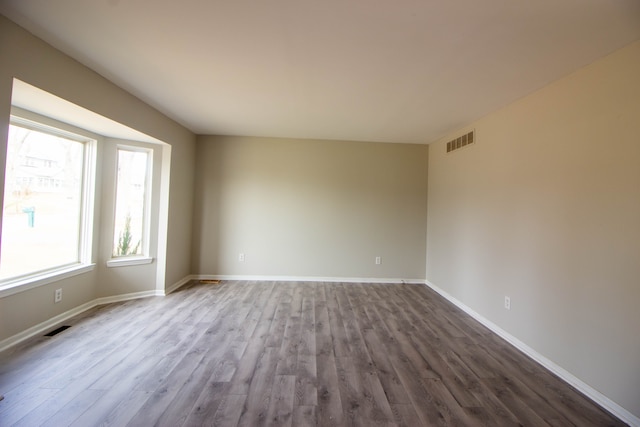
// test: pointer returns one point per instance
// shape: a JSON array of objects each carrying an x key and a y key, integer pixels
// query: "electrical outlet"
[
  {"x": 241, "y": 257},
  {"x": 507, "y": 303},
  {"x": 378, "y": 260},
  {"x": 57, "y": 296}
]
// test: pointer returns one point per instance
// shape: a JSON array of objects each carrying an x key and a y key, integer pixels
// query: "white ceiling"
[{"x": 366, "y": 70}]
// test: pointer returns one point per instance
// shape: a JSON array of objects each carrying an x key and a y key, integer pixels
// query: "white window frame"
[
  {"x": 85, "y": 262},
  {"x": 144, "y": 258}
]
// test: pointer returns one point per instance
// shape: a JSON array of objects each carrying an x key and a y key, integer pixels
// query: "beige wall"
[
  {"x": 545, "y": 208},
  {"x": 310, "y": 208},
  {"x": 37, "y": 63}
]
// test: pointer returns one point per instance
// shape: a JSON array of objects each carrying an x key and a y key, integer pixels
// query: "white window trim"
[
  {"x": 25, "y": 283},
  {"x": 144, "y": 258},
  {"x": 28, "y": 119},
  {"x": 125, "y": 261}
]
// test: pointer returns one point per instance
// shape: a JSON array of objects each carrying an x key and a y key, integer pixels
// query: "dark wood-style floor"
[{"x": 263, "y": 353}]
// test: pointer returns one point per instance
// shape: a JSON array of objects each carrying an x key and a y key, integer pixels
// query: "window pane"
[
  {"x": 42, "y": 202},
  {"x": 130, "y": 202}
]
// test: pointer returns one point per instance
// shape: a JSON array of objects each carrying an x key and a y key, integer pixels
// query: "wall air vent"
[{"x": 461, "y": 141}]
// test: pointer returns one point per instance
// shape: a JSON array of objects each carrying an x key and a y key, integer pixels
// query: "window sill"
[
  {"x": 125, "y": 262},
  {"x": 25, "y": 283}
]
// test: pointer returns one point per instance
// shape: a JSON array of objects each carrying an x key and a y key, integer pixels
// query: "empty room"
[{"x": 317, "y": 213}]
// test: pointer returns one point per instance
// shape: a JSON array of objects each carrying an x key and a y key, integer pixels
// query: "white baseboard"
[
  {"x": 127, "y": 297},
  {"x": 305, "y": 279},
  {"x": 565, "y": 375},
  {"x": 47, "y": 324},
  {"x": 41, "y": 327},
  {"x": 179, "y": 284}
]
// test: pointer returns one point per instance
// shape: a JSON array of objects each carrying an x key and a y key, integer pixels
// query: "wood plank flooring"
[{"x": 283, "y": 353}]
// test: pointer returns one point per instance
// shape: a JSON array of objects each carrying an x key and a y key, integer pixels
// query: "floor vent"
[
  {"x": 57, "y": 331},
  {"x": 461, "y": 141}
]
